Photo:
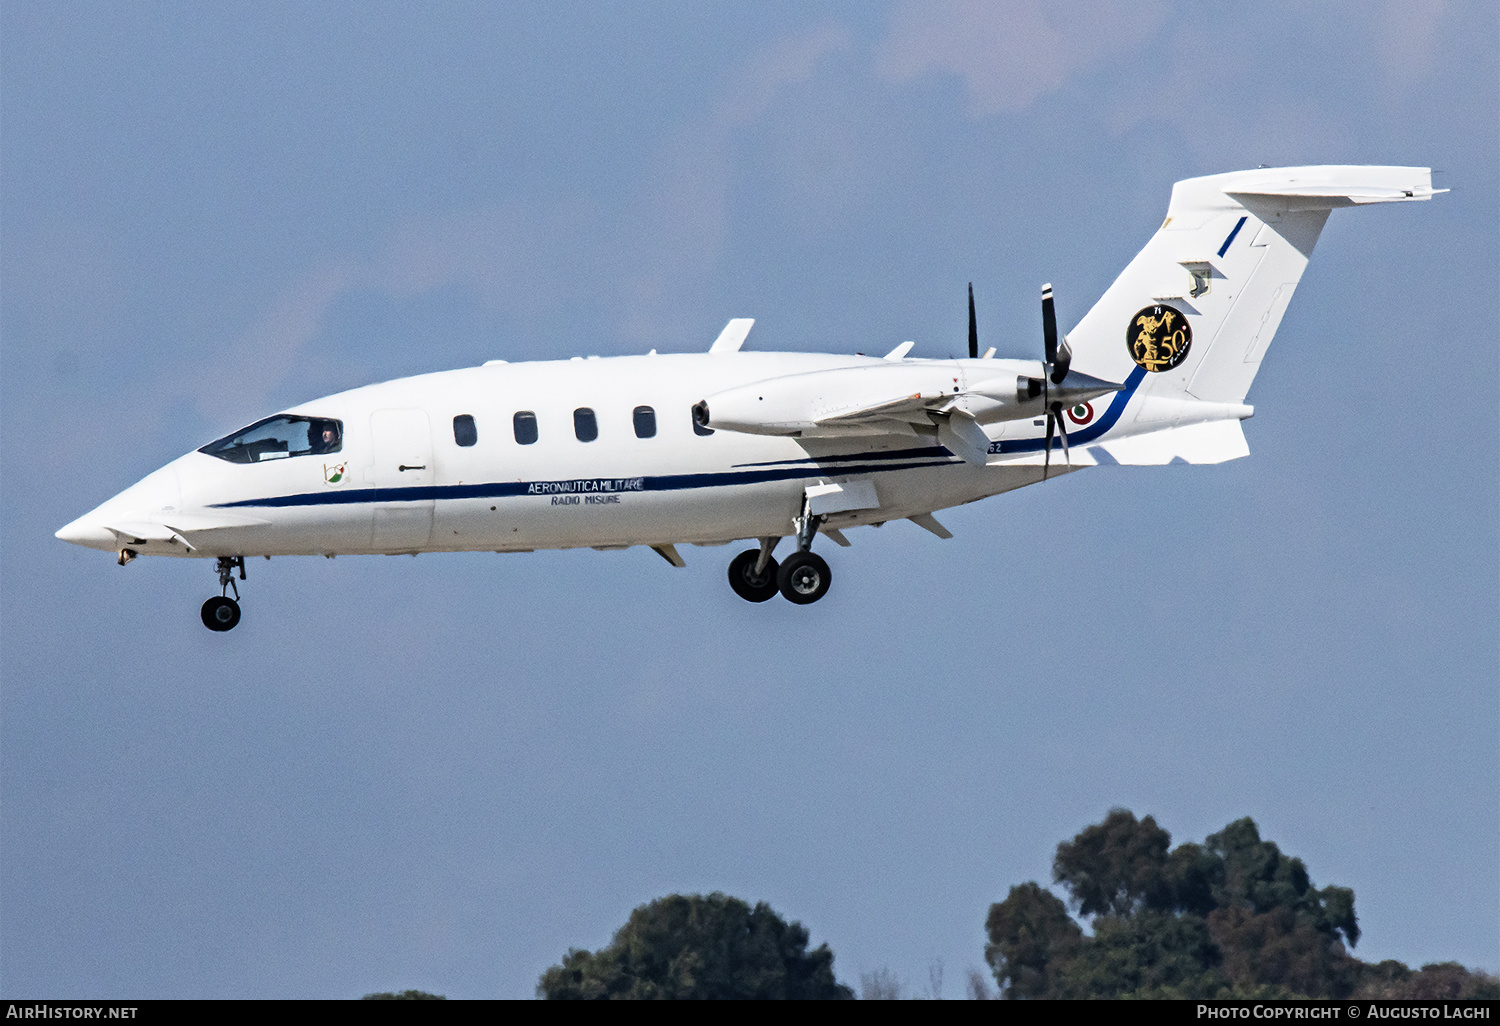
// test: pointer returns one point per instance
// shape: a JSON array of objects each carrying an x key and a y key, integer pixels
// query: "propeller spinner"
[
  {"x": 1055, "y": 394},
  {"x": 1059, "y": 357}
]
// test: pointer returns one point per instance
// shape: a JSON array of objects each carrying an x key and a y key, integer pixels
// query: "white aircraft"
[{"x": 709, "y": 448}]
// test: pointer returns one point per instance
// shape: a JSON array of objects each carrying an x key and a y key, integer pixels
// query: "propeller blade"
[
  {"x": 973, "y": 327},
  {"x": 1062, "y": 428},
  {"x": 1049, "y": 324},
  {"x": 1047, "y": 457},
  {"x": 1060, "y": 365}
]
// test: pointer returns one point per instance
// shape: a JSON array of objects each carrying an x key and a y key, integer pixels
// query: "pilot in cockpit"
[{"x": 326, "y": 440}]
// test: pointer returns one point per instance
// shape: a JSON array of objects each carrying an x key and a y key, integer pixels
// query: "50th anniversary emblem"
[{"x": 1159, "y": 338}]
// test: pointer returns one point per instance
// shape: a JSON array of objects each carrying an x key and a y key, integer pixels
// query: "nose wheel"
[{"x": 221, "y": 612}]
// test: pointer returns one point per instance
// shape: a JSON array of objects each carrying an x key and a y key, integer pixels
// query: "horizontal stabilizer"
[
  {"x": 1216, "y": 441},
  {"x": 1327, "y": 186}
]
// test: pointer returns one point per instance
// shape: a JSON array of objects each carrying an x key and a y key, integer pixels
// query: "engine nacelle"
[{"x": 795, "y": 404}]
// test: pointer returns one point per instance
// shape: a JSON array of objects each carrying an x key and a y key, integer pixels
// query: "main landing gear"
[
  {"x": 221, "y": 612},
  {"x": 803, "y": 578}
]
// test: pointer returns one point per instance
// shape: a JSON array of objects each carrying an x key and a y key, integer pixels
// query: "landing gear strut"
[
  {"x": 752, "y": 574},
  {"x": 221, "y": 612},
  {"x": 804, "y": 576}
]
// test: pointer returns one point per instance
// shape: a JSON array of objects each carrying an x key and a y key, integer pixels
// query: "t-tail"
[{"x": 1187, "y": 323}]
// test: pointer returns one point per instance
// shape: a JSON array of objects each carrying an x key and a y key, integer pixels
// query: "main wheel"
[
  {"x": 221, "y": 614},
  {"x": 746, "y": 584},
  {"x": 804, "y": 578}
]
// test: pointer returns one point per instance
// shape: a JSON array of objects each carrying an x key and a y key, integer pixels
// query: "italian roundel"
[
  {"x": 1158, "y": 338},
  {"x": 1081, "y": 415}
]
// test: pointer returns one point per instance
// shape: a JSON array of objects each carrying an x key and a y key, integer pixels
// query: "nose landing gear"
[{"x": 221, "y": 612}]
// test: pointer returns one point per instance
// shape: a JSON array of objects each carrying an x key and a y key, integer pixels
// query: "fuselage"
[
  {"x": 708, "y": 448},
  {"x": 600, "y": 452}
]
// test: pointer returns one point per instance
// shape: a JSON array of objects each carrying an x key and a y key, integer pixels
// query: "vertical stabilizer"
[{"x": 1192, "y": 314}]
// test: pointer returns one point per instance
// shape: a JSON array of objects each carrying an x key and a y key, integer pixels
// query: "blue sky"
[{"x": 442, "y": 772}]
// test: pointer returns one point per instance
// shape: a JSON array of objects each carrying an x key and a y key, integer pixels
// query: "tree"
[
  {"x": 1232, "y": 916},
  {"x": 1116, "y": 867},
  {"x": 1031, "y": 936},
  {"x": 880, "y": 985},
  {"x": 699, "y": 947},
  {"x": 405, "y": 995},
  {"x": 1437, "y": 981}
]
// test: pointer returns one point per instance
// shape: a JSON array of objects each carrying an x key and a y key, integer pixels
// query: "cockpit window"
[{"x": 277, "y": 438}]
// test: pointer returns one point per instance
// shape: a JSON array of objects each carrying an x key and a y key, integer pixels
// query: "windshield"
[{"x": 277, "y": 438}]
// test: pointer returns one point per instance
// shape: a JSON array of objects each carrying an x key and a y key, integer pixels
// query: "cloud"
[
  {"x": 264, "y": 355},
  {"x": 1406, "y": 40},
  {"x": 787, "y": 61},
  {"x": 1010, "y": 53},
  {"x": 523, "y": 259},
  {"x": 680, "y": 225}
]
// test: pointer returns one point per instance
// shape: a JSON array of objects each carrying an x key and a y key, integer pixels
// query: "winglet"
[
  {"x": 899, "y": 353},
  {"x": 733, "y": 336}
]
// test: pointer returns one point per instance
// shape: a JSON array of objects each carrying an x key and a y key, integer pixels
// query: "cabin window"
[
  {"x": 464, "y": 432},
  {"x": 645, "y": 422},
  {"x": 277, "y": 438},
  {"x": 525, "y": 427},
  {"x": 585, "y": 426},
  {"x": 700, "y": 417}
]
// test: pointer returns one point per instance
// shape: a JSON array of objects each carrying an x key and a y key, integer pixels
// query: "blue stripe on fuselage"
[
  {"x": 787, "y": 470},
  {"x": 514, "y": 489},
  {"x": 1087, "y": 434}
]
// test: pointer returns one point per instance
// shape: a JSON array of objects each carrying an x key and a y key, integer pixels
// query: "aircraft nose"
[{"x": 88, "y": 532}]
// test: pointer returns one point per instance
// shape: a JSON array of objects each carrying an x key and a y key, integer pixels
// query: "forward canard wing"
[{"x": 179, "y": 528}]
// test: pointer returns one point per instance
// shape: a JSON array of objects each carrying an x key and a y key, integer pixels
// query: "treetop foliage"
[
  {"x": 699, "y": 947},
  {"x": 1231, "y": 917}
]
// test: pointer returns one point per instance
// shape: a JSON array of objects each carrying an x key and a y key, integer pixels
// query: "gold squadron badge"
[{"x": 1158, "y": 338}]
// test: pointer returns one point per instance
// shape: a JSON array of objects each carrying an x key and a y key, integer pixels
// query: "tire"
[
  {"x": 804, "y": 578},
  {"x": 744, "y": 582},
  {"x": 220, "y": 614}
]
